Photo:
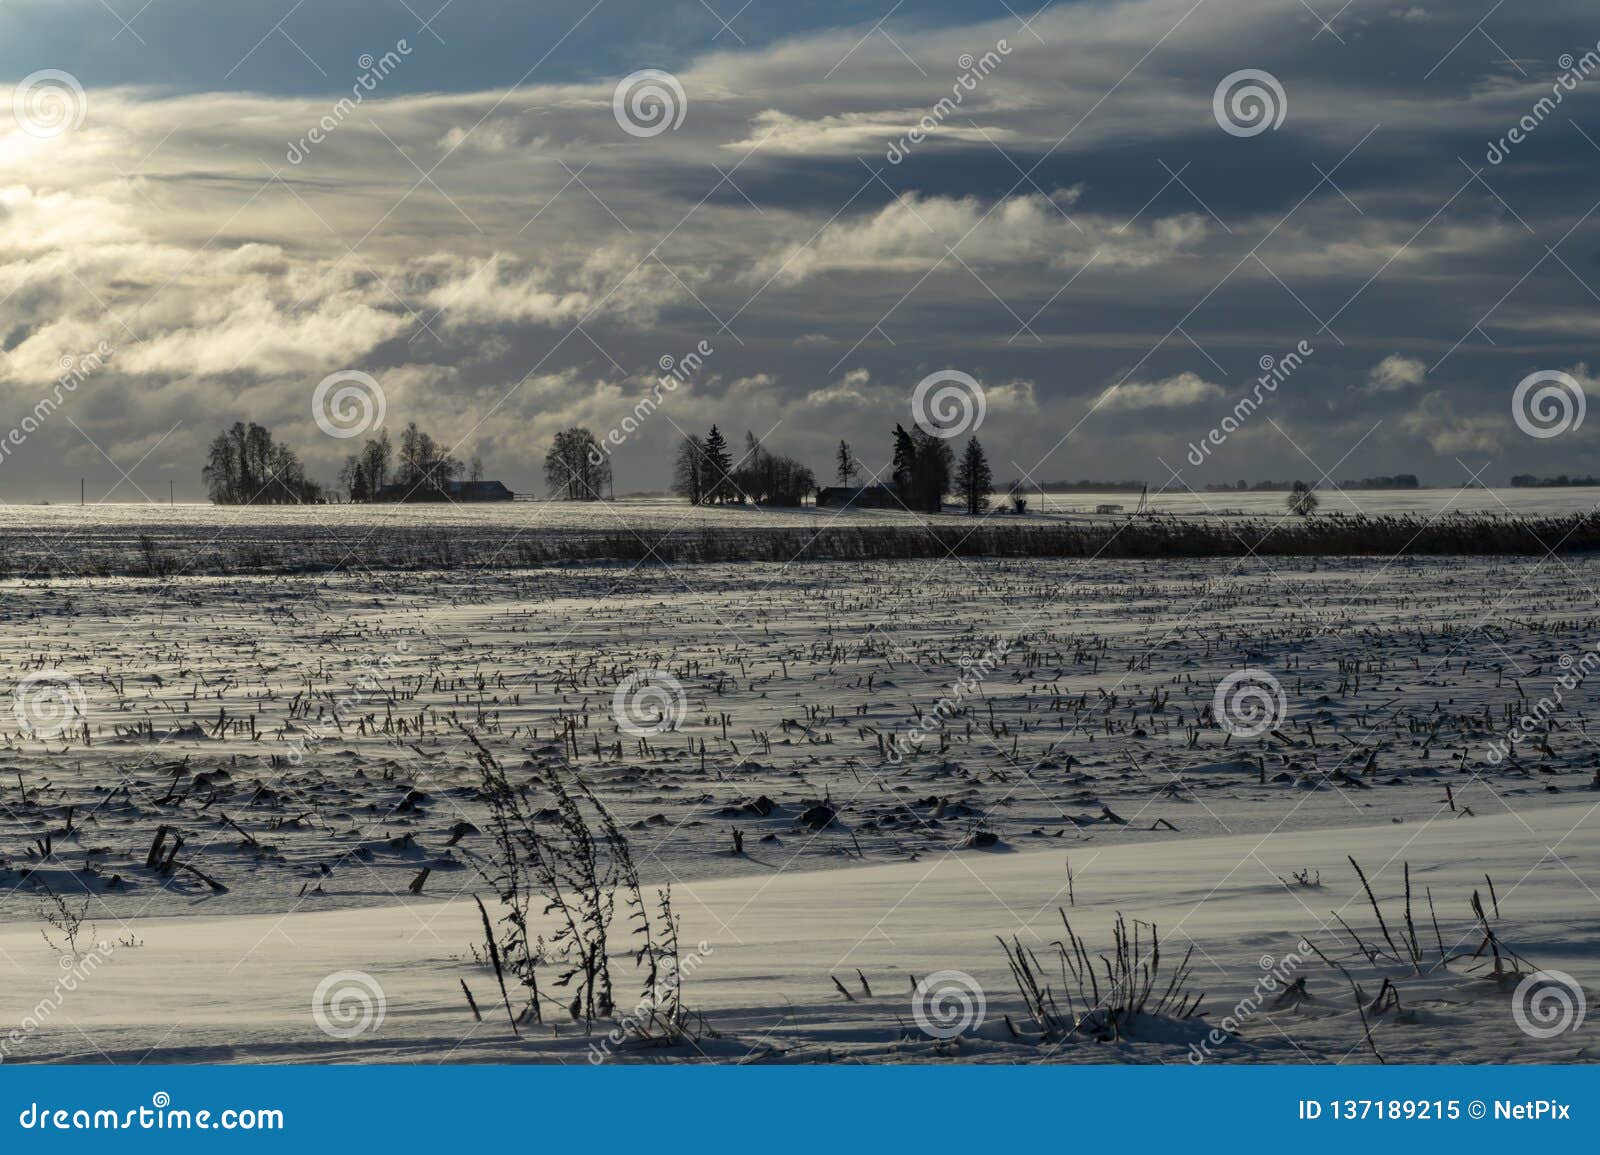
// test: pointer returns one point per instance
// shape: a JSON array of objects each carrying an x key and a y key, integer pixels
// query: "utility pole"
[
  {"x": 80, "y": 490},
  {"x": 172, "y": 498}
]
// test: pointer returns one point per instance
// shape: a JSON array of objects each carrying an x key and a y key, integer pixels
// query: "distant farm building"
[
  {"x": 450, "y": 491},
  {"x": 860, "y": 497}
]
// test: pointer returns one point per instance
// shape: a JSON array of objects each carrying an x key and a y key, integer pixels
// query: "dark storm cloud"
[{"x": 1079, "y": 233}]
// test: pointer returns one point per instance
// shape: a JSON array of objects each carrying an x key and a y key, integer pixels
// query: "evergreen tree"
[
  {"x": 719, "y": 467},
  {"x": 905, "y": 461},
  {"x": 932, "y": 463},
  {"x": 974, "y": 481}
]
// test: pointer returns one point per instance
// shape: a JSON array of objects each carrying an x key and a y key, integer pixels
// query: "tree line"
[
  {"x": 704, "y": 473},
  {"x": 244, "y": 465},
  {"x": 925, "y": 469},
  {"x": 423, "y": 468}
]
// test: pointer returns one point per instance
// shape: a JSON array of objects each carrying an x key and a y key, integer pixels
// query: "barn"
[{"x": 860, "y": 497}]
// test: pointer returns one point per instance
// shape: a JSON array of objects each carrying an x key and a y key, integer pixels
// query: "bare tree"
[
  {"x": 244, "y": 466},
  {"x": 689, "y": 472},
  {"x": 1302, "y": 502},
  {"x": 847, "y": 470},
  {"x": 575, "y": 467}
]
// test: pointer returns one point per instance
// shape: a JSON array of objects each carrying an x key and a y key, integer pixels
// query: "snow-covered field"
[
  {"x": 235, "y": 783},
  {"x": 201, "y": 538}
]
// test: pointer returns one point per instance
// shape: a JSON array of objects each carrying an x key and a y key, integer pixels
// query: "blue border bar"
[{"x": 766, "y": 1110}]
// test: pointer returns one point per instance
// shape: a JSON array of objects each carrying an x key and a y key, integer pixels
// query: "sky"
[{"x": 200, "y": 223}]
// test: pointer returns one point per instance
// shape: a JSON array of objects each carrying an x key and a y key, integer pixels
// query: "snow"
[
  {"x": 199, "y": 538},
  {"x": 211, "y": 702},
  {"x": 217, "y": 988}
]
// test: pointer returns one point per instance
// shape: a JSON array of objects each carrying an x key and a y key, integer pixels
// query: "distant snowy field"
[
  {"x": 51, "y": 521},
  {"x": 67, "y": 540},
  {"x": 295, "y": 749}
]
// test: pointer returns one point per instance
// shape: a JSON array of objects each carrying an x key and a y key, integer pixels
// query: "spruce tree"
[
  {"x": 932, "y": 465},
  {"x": 974, "y": 481},
  {"x": 719, "y": 467},
  {"x": 905, "y": 462}
]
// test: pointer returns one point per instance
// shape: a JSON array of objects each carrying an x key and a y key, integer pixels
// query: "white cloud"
[
  {"x": 1395, "y": 372},
  {"x": 1174, "y": 392},
  {"x": 1447, "y": 432},
  {"x": 231, "y": 280}
]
